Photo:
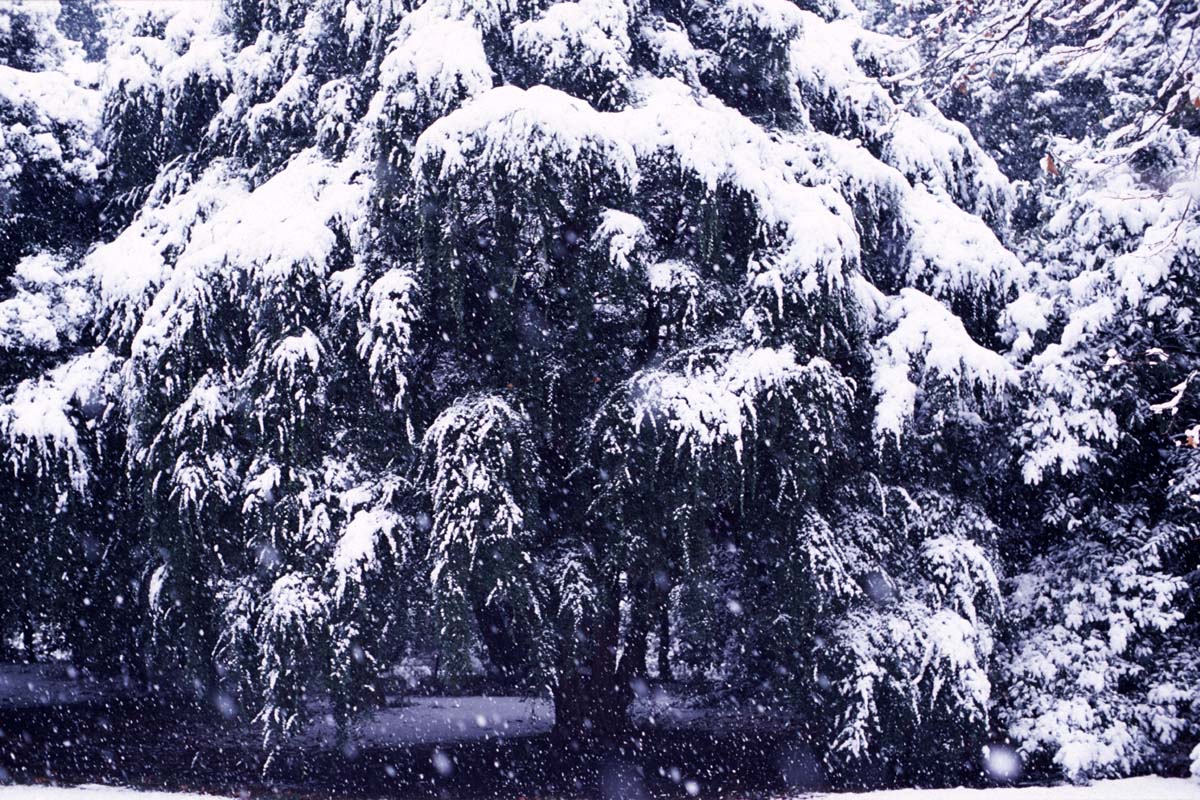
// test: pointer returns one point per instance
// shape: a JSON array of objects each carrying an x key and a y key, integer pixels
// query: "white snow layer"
[
  {"x": 32, "y": 685},
  {"x": 1146, "y": 788},
  {"x": 445, "y": 720},
  {"x": 1150, "y": 787}
]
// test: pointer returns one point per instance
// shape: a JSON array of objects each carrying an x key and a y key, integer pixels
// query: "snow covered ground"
[
  {"x": 420, "y": 720},
  {"x": 451, "y": 720},
  {"x": 441, "y": 720},
  {"x": 25, "y": 685},
  {"x": 1148, "y": 788},
  {"x": 90, "y": 793},
  {"x": 415, "y": 721},
  {"x": 1145, "y": 788}
]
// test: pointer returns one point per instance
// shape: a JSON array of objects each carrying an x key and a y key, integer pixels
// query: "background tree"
[{"x": 1092, "y": 110}]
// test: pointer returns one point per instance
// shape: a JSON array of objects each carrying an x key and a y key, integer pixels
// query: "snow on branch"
[
  {"x": 527, "y": 132},
  {"x": 387, "y": 332},
  {"x": 433, "y": 66},
  {"x": 482, "y": 472},
  {"x": 358, "y": 549},
  {"x": 40, "y": 422},
  {"x": 927, "y": 340},
  {"x": 706, "y": 406},
  {"x": 583, "y": 47},
  {"x": 952, "y": 253}
]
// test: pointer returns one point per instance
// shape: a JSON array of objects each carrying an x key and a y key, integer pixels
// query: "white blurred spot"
[
  {"x": 442, "y": 763},
  {"x": 226, "y": 706},
  {"x": 1003, "y": 764}
]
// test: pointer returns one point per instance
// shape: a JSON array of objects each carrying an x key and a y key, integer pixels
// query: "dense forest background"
[{"x": 835, "y": 358}]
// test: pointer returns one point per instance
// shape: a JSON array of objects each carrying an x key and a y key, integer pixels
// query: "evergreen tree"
[
  {"x": 554, "y": 335},
  {"x": 49, "y": 163},
  {"x": 1093, "y": 109}
]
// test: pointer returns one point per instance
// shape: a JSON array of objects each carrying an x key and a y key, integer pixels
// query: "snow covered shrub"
[
  {"x": 49, "y": 113},
  {"x": 916, "y": 652},
  {"x": 594, "y": 330},
  {"x": 1095, "y": 682},
  {"x": 29, "y": 37},
  {"x": 1095, "y": 665}
]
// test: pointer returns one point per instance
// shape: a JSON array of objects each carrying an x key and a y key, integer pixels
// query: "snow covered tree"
[
  {"x": 555, "y": 334},
  {"x": 49, "y": 162},
  {"x": 1092, "y": 107}
]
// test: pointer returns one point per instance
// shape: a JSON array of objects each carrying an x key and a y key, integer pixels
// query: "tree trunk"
[
  {"x": 664, "y": 638},
  {"x": 506, "y": 655},
  {"x": 27, "y": 634},
  {"x": 585, "y": 708},
  {"x": 633, "y": 663},
  {"x": 592, "y": 698},
  {"x": 6, "y": 652}
]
